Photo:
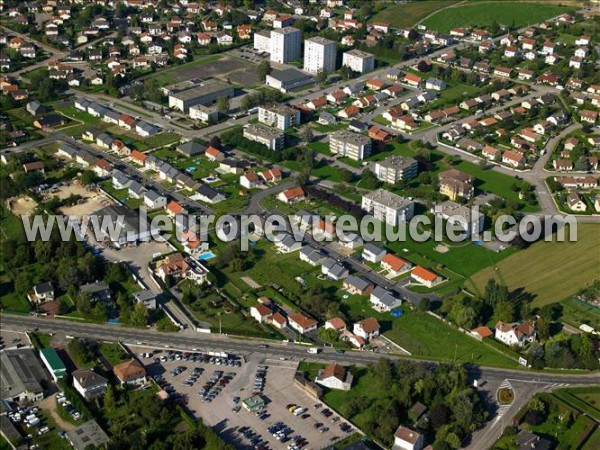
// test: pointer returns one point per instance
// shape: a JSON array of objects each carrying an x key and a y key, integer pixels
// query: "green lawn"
[
  {"x": 113, "y": 352},
  {"x": 539, "y": 272},
  {"x": 513, "y": 14},
  {"x": 407, "y": 15},
  {"x": 428, "y": 337},
  {"x": 576, "y": 312},
  {"x": 585, "y": 399}
]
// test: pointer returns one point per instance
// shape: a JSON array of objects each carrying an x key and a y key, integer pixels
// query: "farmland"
[
  {"x": 550, "y": 271},
  {"x": 407, "y": 15},
  {"x": 484, "y": 14}
]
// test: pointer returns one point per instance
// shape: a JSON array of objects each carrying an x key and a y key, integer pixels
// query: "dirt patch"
[
  {"x": 250, "y": 282},
  {"x": 91, "y": 200},
  {"x": 49, "y": 404},
  {"x": 22, "y": 205},
  {"x": 441, "y": 248}
]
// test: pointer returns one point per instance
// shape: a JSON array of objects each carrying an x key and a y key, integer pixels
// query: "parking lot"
[{"x": 289, "y": 419}]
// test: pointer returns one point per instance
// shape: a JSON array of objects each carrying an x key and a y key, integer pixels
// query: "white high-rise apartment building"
[
  {"x": 285, "y": 45},
  {"x": 319, "y": 54},
  {"x": 359, "y": 61}
]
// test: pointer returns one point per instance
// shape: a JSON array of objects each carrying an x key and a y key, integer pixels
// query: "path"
[{"x": 50, "y": 404}]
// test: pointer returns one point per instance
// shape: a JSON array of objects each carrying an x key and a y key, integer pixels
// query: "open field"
[
  {"x": 586, "y": 399},
  {"x": 576, "y": 312},
  {"x": 407, "y": 15},
  {"x": 550, "y": 271},
  {"x": 483, "y": 14}
]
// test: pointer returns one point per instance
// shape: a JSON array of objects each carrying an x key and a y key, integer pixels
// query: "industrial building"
[
  {"x": 289, "y": 79},
  {"x": 204, "y": 93},
  {"x": 21, "y": 376}
]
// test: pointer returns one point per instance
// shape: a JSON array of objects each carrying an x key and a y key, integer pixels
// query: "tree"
[
  {"x": 424, "y": 304},
  {"x": 88, "y": 177},
  {"x": 110, "y": 398},
  {"x": 263, "y": 69},
  {"x": 139, "y": 316},
  {"x": 222, "y": 105},
  {"x": 346, "y": 176},
  {"x": 322, "y": 76},
  {"x": 306, "y": 134},
  {"x": 215, "y": 141},
  {"x": 543, "y": 328}
]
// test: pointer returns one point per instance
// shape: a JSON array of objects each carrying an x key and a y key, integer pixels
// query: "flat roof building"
[
  {"x": 271, "y": 137},
  {"x": 285, "y": 44},
  {"x": 288, "y": 79},
  {"x": 279, "y": 116},
  {"x": 319, "y": 55},
  {"x": 395, "y": 168},
  {"x": 204, "y": 93},
  {"x": 88, "y": 435},
  {"x": 388, "y": 207},
  {"x": 359, "y": 61},
  {"x": 21, "y": 376},
  {"x": 352, "y": 145},
  {"x": 462, "y": 216}
]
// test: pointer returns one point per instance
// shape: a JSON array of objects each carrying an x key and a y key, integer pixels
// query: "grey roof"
[
  {"x": 334, "y": 268},
  {"x": 94, "y": 288},
  {"x": 112, "y": 114},
  {"x": 191, "y": 148},
  {"x": 121, "y": 178},
  {"x": 136, "y": 188},
  {"x": 357, "y": 282},
  {"x": 44, "y": 288},
  {"x": 435, "y": 81},
  {"x": 99, "y": 109},
  {"x": 105, "y": 138},
  {"x": 144, "y": 295},
  {"x": 88, "y": 378},
  {"x": 147, "y": 127},
  {"x": 385, "y": 297},
  {"x": 86, "y": 435},
  {"x": 208, "y": 192},
  {"x": 152, "y": 195},
  {"x": 289, "y": 75},
  {"x": 20, "y": 372},
  {"x": 355, "y": 123},
  {"x": 372, "y": 248},
  {"x": 68, "y": 149},
  {"x": 288, "y": 241}
]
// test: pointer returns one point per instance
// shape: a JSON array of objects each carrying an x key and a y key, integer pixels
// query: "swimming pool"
[
  {"x": 210, "y": 179},
  {"x": 206, "y": 255}
]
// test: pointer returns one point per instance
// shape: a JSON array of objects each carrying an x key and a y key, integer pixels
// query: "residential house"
[
  {"x": 89, "y": 384},
  {"x": 130, "y": 372},
  {"x": 383, "y": 300},
  {"x": 334, "y": 270},
  {"x": 372, "y": 253},
  {"x": 517, "y": 334},
  {"x": 366, "y": 328},
  {"x": 357, "y": 286},
  {"x": 394, "y": 265},
  {"x": 302, "y": 323},
  {"x": 334, "y": 376},
  {"x": 406, "y": 438},
  {"x": 425, "y": 277}
]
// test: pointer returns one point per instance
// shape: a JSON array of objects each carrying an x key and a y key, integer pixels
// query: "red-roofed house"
[
  {"x": 395, "y": 265},
  {"x": 302, "y": 323},
  {"x": 292, "y": 195},
  {"x": 425, "y": 277},
  {"x": 212, "y": 154},
  {"x": 261, "y": 313}
]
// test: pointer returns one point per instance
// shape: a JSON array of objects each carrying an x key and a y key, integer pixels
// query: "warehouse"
[
  {"x": 289, "y": 79},
  {"x": 53, "y": 363},
  {"x": 21, "y": 376},
  {"x": 204, "y": 93}
]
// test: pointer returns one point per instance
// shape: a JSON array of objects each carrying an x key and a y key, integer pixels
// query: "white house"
[
  {"x": 407, "y": 439},
  {"x": 260, "y": 313},
  {"x": 366, "y": 328},
  {"x": 89, "y": 384},
  {"x": 515, "y": 333},
  {"x": 301, "y": 323},
  {"x": 372, "y": 253},
  {"x": 335, "y": 376},
  {"x": 382, "y": 300},
  {"x": 154, "y": 200}
]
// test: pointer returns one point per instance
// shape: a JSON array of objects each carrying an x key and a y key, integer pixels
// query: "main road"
[{"x": 189, "y": 341}]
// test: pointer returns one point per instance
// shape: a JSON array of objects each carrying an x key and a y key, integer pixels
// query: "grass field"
[
  {"x": 576, "y": 312},
  {"x": 483, "y": 14},
  {"x": 113, "y": 352},
  {"x": 585, "y": 399},
  {"x": 550, "y": 271},
  {"x": 407, "y": 15}
]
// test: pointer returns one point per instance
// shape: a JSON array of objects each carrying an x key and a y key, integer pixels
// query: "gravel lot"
[{"x": 279, "y": 391}]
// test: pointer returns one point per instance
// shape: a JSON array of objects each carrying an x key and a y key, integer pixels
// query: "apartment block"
[
  {"x": 271, "y": 137},
  {"x": 395, "y": 168},
  {"x": 359, "y": 61},
  {"x": 285, "y": 45},
  {"x": 279, "y": 116},
  {"x": 352, "y": 145},
  {"x": 388, "y": 207},
  {"x": 319, "y": 55}
]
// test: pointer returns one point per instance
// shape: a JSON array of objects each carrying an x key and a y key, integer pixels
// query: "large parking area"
[{"x": 290, "y": 418}]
